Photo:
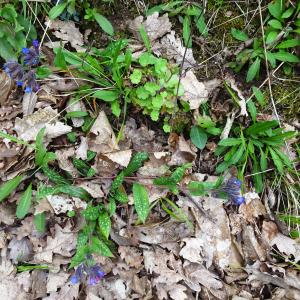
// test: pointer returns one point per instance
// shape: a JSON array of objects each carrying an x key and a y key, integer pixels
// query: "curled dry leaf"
[
  {"x": 63, "y": 204},
  {"x": 155, "y": 26},
  {"x": 66, "y": 31},
  {"x": 120, "y": 157},
  {"x": 63, "y": 85},
  {"x": 76, "y": 106},
  {"x": 195, "y": 92},
  {"x": 81, "y": 151},
  {"x": 63, "y": 157},
  {"x": 101, "y": 138},
  {"x": 171, "y": 48},
  {"x": 6, "y": 85},
  {"x": 56, "y": 280},
  {"x": 93, "y": 188},
  {"x": 63, "y": 243},
  {"x": 20, "y": 250},
  {"x": 29, "y": 102},
  {"x": 182, "y": 151},
  {"x": 132, "y": 256},
  {"x": 28, "y": 127}
]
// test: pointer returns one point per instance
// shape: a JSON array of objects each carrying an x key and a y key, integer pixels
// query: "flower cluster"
[
  {"x": 25, "y": 77},
  {"x": 93, "y": 273},
  {"x": 232, "y": 189}
]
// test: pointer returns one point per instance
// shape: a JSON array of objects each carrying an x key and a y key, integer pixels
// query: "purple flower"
[
  {"x": 233, "y": 190},
  {"x": 93, "y": 274},
  {"x": 35, "y": 43},
  {"x": 31, "y": 84},
  {"x": 14, "y": 70},
  {"x": 31, "y": 55}
]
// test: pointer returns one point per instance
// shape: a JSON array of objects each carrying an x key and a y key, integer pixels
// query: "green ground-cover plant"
[
  {"x": 253, "y": 148},
  {"x": 113, "y": 76},
  {"x": 281, "y": 28},
  {"x": 15, "y": 32}
]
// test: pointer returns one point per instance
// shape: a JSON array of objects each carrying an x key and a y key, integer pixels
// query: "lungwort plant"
[{"x": 254, "y": 148}]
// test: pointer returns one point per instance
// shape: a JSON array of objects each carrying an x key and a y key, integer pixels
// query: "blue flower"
[
  {"x": 25, "y": 50},
  {"x": 28, "y": 89},
  {"x": 93, "y": 273},
  {"x": 35, "y": 43},
  {"x": 233, "y": 190},
  {"x": 19, "y": 83}
]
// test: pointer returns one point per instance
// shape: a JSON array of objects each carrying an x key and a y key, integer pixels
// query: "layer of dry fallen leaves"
[{"x": 229, "y": 253}]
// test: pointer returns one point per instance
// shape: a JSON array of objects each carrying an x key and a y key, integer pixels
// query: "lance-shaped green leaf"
[
  {"x": 104, "y": 223},
  {"x": 9, "y": 186},
  {"x": 40, "y": 150},
  {"x": 100, "y": 247},
  {"x": 25, "y": 203},
  {"x": 40, "y": 222},
  {"x": 141, "y": 201}
]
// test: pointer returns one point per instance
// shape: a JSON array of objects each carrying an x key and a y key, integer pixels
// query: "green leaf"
[
  {"x": 76, "y": 114},
  {"x": 289, "y": 44},
  {"x": 276, "y": 8},
  {"x": 252, "y": 110},
  {"x": 196, "y": 188},
  {"x": 187, "y": 31},
  {"x": 135, "y": 163},
  {"x": 104, "y": 223},
  {"x": 286, "y": 57},
  {"x": 57, "y": 10},
  {"x": 136, "y": 76},
  {"x": 74, "y": 191},
  {"x": 263, "y": 160},
  {"x": 43, "y": 72},
  {"x": 198, "y": 137},
  {"x": 222, "y": 167},
  {"x": 275, "y": 24},
  {"x": 141, "y": 201},
  {"x": 24, "y": 203},
  {"x": 277, "y": 161},
  {"x": 201, "y": 25},
  {"x": 147, "y": 59},
  {"x": 107, "y": 95},
  {"x": 80, "y": 256},
  {"x": 100, "y": 247},
  {"x": 177, "y": 175},
  {"x": 258, "y": 179},
  {"x": 8, "y": 187},
  {"x": 40, "y": 150},
  {"x": 271, "y": 37},
  {"x": 115, "y": 108},
  {"x": 230, "y": 142},
  {"x": 59, "y": 60},
  {"x": 104, "y": 23},
  {"x": 239, "y": 35},
  {"x": 91, "y": 213},
  {"x": 253, "y": 70},
  {"x": 284, "y": 157},
  {"x": 237, "y": 155},
  {"x": 271, "y": 58},
  {"x": 287, "y": 13},
  {"x": 260, "y": 127},
  {"x": 39, "y": 221},
  {"x": 258, "y": 95},
  {"x": 145, "y": 38}
]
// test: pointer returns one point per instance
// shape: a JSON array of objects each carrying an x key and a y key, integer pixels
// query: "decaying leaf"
[
  {"x": 171, "y": 47},
  {"x": 28, "y": 127},
  {"x": 6, "y": 85},
  {"x": 63, "y": 243},
  {"x": 195, "y": 92},
  {"x": 120, "y": 157},
  {"x": 66, "y": 31},
  {"x": 101, "y": 137},
  {"x": 155, "y": 26},
  {"x": 29, "y": 102}
]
